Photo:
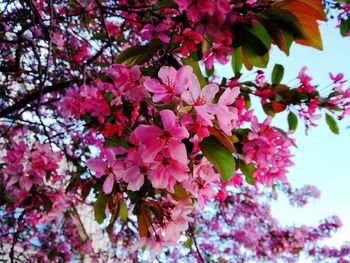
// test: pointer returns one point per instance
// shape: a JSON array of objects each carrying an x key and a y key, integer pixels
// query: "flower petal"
[
  {"x": 97, "y": 166},
  {"x": 209, "y": 91},
  {"x": 167, "y": 75},
  {"x": 229, "y": 96},
  {"x": 108, "y": 184},
  {"x": 168, "y": 118},
  {"x": 153, "y": 85}
]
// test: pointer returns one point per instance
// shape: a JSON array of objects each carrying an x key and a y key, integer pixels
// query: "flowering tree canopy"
[{"x": 112, "y": 113}]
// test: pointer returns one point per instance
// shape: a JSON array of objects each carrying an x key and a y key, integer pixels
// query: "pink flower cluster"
[
  {"x": 268, "y": 149},
  {"x": 90, "y": 99},
  {"x": 25, "y": 167}
]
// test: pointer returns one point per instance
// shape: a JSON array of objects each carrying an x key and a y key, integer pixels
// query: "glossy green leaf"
[
  {"x": 260, "y": 32},
  {"x": 219, "y": 156},
  {"x": 236, "y": 63},
  {"x": 255, "y": 43},
  {"x": 123, "y": 211},
  {"x": 138, "y": 55},
  {"x": 247, "y": 170},
  {"x": 286, "y": 21},
  {"x": 100, "y": 208},
  {"x": 277, "y": 74},
  {"x": 168, "y": 4},
  {"x": 332, "y": 124},
  {"x": 292, "y": 121}
]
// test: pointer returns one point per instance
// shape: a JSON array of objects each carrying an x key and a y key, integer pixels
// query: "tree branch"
[{"x": 34, "y": 96}]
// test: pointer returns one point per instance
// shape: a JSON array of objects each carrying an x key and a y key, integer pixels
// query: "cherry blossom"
[{"x": 174, "y": 82}]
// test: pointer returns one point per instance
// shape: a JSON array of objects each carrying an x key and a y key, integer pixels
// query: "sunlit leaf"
[
  {"x": 307, "y": 13},
  {"x": 292, "y": 121},
  {"x": 236, "y": 62},
  {"x": 223, "y": 138},
  {"x": 277, "y": 74},
  {"x": 138, "y": 55},
  {"x": 332, "y": 124},
  {"x": 219, "y": 156},
  {"x": 255, "y": 43},
  {"x": 247, "y": 170},
  {"x": 123, "y": 211}
]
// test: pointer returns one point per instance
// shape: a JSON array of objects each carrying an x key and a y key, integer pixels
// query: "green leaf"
[
  {"x": 247, "y": 170},
  {"x": 100, "y": 208},
  {"x": 277, "y": 74},
  {"x": 123, "y": 211},
  {"x": 188, "y": 243},
  {"x": 236, "y": 62},
  {"x": 345, "y": 26},
  {"x": 210, "y": 72},
  {"x": 219, "y": 156},
  {"x": 332, "y": 124},
  {"x": 196, "y": 70},
  {"x": 286, "y": 21},
  {"x": 255, "y": 42},
  {"x": 247, "y": 101},
  {"x": 268, "y": 109},
  {"x": 99, "y": 36},
  {"x": 259, "y": 31},
  {"x": 292, "y": 121},
  {"x": 138, "y": 55}
]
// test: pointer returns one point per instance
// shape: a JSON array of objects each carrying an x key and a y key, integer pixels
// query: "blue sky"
[{"x": 322, "y": 158}]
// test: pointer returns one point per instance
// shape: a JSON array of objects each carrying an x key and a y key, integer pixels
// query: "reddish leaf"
[
  {"x": 179, "y": 192},
  {"x": 223, "y": 138},
  {"x": 144, "y": 220},
  {"x": 278, "y": 106},
  {"x": 307, "y": 12}
]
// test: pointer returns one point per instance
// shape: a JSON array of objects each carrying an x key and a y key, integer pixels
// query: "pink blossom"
[
  {"x": 197, "y": 127},
  {"x": 219, "y": 52},
  {"x": 269, "y": 151},
  {"x": 135, "y": 169},
  {"x": 201, "y": 185},
  {"x": 225, "y": 113},
  {"x": 336, "y": 78},
  {"x": 305, "y": 81},
  {"x": 110, "y": 167},
  {"x": 156, "y": 139},
  {"x": 113, "y": 28},
  {"x": 188, "y": 40},
  {"x": 149, "y": 32},
  {"x": 179, "y": 219},
  {"x": 174, "y": 82},
  {"x": 169, "y": 167},
  {"x": 201, "y": 99}
]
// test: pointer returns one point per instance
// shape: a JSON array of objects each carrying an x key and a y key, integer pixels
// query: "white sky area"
[{"x": 322, "y": 158}]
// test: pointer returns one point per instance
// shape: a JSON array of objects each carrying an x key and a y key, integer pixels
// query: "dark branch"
[{"x": 34, "y": 96}]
